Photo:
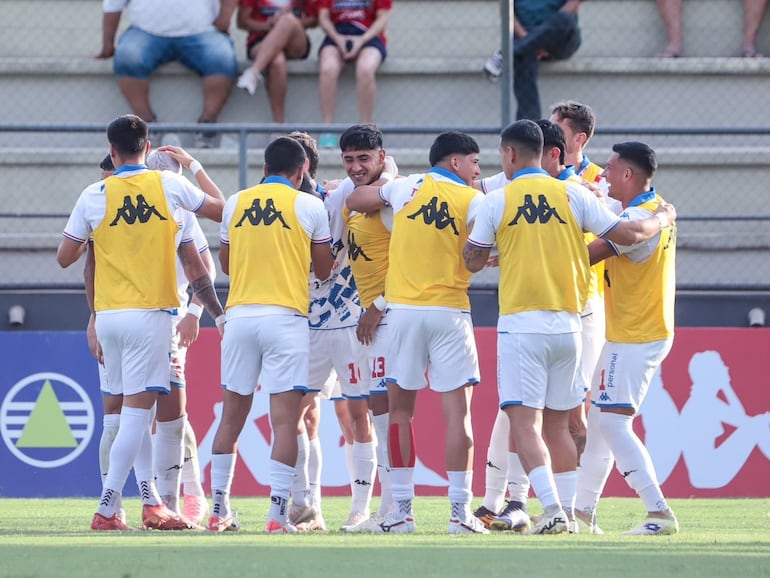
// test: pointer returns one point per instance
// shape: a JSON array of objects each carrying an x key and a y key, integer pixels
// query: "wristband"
[
  {"x": 380, "y": 304},
  {"x": 196, "y": 167},
  {"x": 662, "y": 220},
  {"x": 195, "y": 310},
  {"x": 221, "y": 320}
]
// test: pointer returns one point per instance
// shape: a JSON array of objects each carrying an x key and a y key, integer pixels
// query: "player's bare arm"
[
  {"x": 69, "y": 251},
  {"x": 475, "y": 257},
  {"x": 633, "y": 232},
  {"x": 321, "y": 256},
  {"x": 599, "y": 250},
  {"x": 200, "y": 280},
  {"x": 367, "y": 325},
  {"x": 365, "y": 199}
]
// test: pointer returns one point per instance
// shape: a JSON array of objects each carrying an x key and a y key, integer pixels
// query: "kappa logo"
[
  {"x": 437, "y": 215},
  {"x": 46, "y": 420},
  {"x": 256, "y": 215},
  {"x": 354, "y": 249},
  {"x": 542, "y": 212},
  {"x": 141, "y": 211}
]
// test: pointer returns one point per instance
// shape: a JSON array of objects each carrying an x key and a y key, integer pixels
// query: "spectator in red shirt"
[
  {"x": 276, "y": 34},
  {"x": 355, "y": 30}
]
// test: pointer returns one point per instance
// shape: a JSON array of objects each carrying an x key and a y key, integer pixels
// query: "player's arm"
[
  {"x": 89, "y": 274},
  {"x": 69, "y": 251},
  {"x": 189, "y": 326},
  {"x": 200, "y": 281},
  {"x": 599, "y": 250},
  {"x": 632, "y": 232},
  {"x": 215, "y": 200},
  {"x": 366, "y": 199},
  {"x": 482, "y": 237},
  {"x": 475, "y": 257}
]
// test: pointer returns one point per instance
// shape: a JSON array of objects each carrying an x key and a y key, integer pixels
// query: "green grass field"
[{"x": 41, "y": 538}]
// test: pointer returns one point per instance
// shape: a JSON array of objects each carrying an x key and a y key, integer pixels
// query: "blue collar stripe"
[
  {"x": 643, "y": 198},
  {"x": 530, "y": 171},
  {"x": 567, "y": 173},
  {"x": 274, "y": 179},
  {"x": 447, "y": 174},
  {"x": 583, "y": 165},
  {"x": 128, "y": 168}
]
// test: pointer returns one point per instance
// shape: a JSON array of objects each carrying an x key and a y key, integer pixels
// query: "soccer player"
[
  {"x": 578, "y": 121},
  {"x": 537, "y": 222},
  {"x": 429, "y": 319},
  {"x": 639, "y": 297},
  {"x": 270, "y": 231},
  {"x": 134, "y": 218}
]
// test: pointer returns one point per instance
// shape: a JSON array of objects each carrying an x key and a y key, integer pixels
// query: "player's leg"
[{"x": 496, "y": 476}]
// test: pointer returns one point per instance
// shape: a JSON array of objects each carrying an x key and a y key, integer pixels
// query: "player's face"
[
  {"x": 569, "y": 135},
  {"x": 614, "y": 174},
  {"x": 467, "y": 167},
  {"x": 363, "y": 166}
]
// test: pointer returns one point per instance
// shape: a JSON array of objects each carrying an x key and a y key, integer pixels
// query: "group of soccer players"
[{"x": 386, "y": 309}]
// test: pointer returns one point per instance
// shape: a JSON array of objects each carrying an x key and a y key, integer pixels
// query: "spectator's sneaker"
[
  {"x": 161, "y": 518},
  {"x": 513, "y": 518},
  {"x": 485, "y": 515},
  {"x": 275, "y": 527},
  {"x": 195, "y": 508},
  {"x": 654, "y": 526},
  {"x": 171, "y": 139},
  {"x": 206, "y": 140},
  {"x": 354, "y": 519},
  {"x": 229, "y": 523},
  {"x": 586, "y": 523},
  {"x": 328, "y": 140},
  {"x": 299, "y": 514},
  {"x": 554, "y": 522},
  {"x": 250, "y": 80},
  {"x": 470, "y": 526},
  {"x": 493, "y": 69},
  {"x": 103, "y": 523},
  {"x": 393, "y": 524}
]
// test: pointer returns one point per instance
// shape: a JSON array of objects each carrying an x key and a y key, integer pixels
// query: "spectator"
[
  {"x": 543, "y": 30},
  {"x": 193, "y": 32},
  {"x": 276, "y": 34},
  {"x": 671, "y": 13},
  {"x": 355, "y": 30}
]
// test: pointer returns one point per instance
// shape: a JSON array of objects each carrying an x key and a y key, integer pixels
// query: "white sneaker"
[
  {"x": 355, "y": 519},
  {"x": 554, "y": 522},
  {"x": 493, "y": 69},
  {"x": 653, "y": 526},
  {"x": 250, "y": 80},
  {"x": 470, "y": 526},
  {"x": 395, "y": 525}
]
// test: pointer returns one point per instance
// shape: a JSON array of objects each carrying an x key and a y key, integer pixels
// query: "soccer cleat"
[
  {"x": 654, "y": 526},
  {"x": 485, "y": 515},
  {"x": 122, "y": 515},
  {"x": 275, "y": 527},
  {"x": 195, "y": 508},
  {"x": 354, "y": 519},
  {"x": 554, "y": 522},
  {"x": 493, "y": 69},
  {"x": 513, "y": 518},
  {"x": 315, "y": 523},
  {"x": 229, "y": 523},
  {"x": 366, "y": 525},
  {"x": 250, "y": 80},
  {"x": 103, "y": 523},
  {"x": 395, "y": 525},
  {"x": 299, "y": 514},
  {"x": 586, "y": 523},
  {"x": 470, "y": 526},
  {"x": 159, "y": 517}
]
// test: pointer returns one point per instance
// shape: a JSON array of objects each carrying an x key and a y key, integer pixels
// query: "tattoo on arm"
[
  {"x": 204, "y": 290},
  {"x": 472, "y": 256}
]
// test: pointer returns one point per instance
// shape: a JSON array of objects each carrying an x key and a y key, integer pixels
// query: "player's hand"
[
  {"x": 390, "y": 165},
  {"x": 594, "y": 188},
  {"x": 367, "y": 325},
  {"x": 93, "y": 342},
  {"x": 668, "y": 210},
  {"x": 331, "y": 184},
  {"x": 188, "y": 329},
  {"x": 178, "y": 154},
  {"x": 493, "y": 261}
]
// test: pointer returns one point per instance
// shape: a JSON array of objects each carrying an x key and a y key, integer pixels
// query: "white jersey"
[
  {"x": 334, "y": 302},
  {"x": 202, "y": 245},
  {"x": 497, "y": 181},
  {"x": 169, "y": 18}
]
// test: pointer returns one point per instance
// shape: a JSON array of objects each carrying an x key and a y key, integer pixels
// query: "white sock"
[
  {"x": 544, "y": 485},
  {"x": 281, "y": 477},
  {"x": 110, "y": 424},
  {"x": 383, "y": 466},
  {"x": 518, "y": 481},
  {"x": 632, "y": 459},
  {"x": 314, "y": 468},
  {"x": 496, "y": 474},
  {"x": 299, "y": 487},
  {"x": 595, "y": 466},
  {"x": 566, "y": 486},
  {"x": 169, "y": 459},
  {"x": 222, "y": 472},
  {"x": 363, "y": 476},
  {"x": 350, "y": 462},
  {"x": 143, "y": 470},
  {"x": 402, "y": 486},
  {"x": 460, "y": 494},
  {"x": 191, "y": 471}
]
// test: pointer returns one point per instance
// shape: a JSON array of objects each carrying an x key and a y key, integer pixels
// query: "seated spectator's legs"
[
  {"x": 754, "y": 13},
  {"x": 287, "y": 37},
  {"x": 525, "y": 68},
  {"x": 277, "y": 81},
  {"x": 558, "y": 38},
  {"x": 671, "y": 13},
  {"x": 367, "y": 63},
  {"x": 330, "y": 66}
]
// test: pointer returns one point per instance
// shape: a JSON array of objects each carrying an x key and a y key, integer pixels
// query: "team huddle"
[{"x": 359, "y": 293}]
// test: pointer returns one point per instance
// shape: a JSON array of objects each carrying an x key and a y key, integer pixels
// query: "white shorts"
[
  {"x": 624, "y": 372},
  {"x": 337, "y": 350},
  {"x": 177, "y": 359},
  {"x": 376, "y": 354},
  {"x": 331, "y": 388},
  {"x": 593, "y": 340},
  {"x": 539, "y": 370},
  {"x": 136, "y": 345},
  {"x": 270, "y": 351},
  {"x": 440, "y": 341}
]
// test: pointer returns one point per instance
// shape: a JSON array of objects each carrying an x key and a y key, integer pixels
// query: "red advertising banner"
[{"x": 705, "y": 421}]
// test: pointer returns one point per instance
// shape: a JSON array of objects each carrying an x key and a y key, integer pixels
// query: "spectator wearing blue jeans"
[
  {"x": 194, "y": 32},
  {"x": 543, "y": 30}
]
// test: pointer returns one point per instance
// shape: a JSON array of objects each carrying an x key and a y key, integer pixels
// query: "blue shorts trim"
[
  {"x": 507, "y": 403},
  {"x": 354, "y": 397}
]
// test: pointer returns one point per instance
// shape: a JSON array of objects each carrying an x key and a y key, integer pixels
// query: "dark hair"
[
  {"x": 524, "y": 135},
  {"x": 106, "y": 164},
  {"x": 451, "y": 143},
  {"x": 128, "y": 134},
  {"x": 311, "y": 149},
  {"x": 284, "y": 156},
  {"x": 579, "y": 116},
  {"x": 361, "y": 137},
  {"x": 553, "y": 136},
  {"x": 638, "y": 154}
]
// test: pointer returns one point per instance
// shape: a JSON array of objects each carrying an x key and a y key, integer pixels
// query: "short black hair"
[
  {"x": 311, "y": 149},
  {"x": 553, "y": 136},
  {"x": 361, "y": 137},
  {"x": 524, "y": 135},
  {"x": 128, "y": 134},
  {"x": 638, "y": 154},
  {"x": 106, "y": 164},
  {"x": 284, "y": 156},
  {"x": 451, "y": 143}
]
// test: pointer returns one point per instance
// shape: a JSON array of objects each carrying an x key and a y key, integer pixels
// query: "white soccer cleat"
[
  {"x": 395, "y": 525},
  {"x": 586, "y": 523},
  {"x": 250, "y": 80},
  {"x": 367, "y": 525},
  {"x": 554, "y": 522},
  {"x": 470, "y": 526},
  {"x": 299, "y": 514},
  {"x": 355, "y": 519},
  {"x": 654, "y": 526}
]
